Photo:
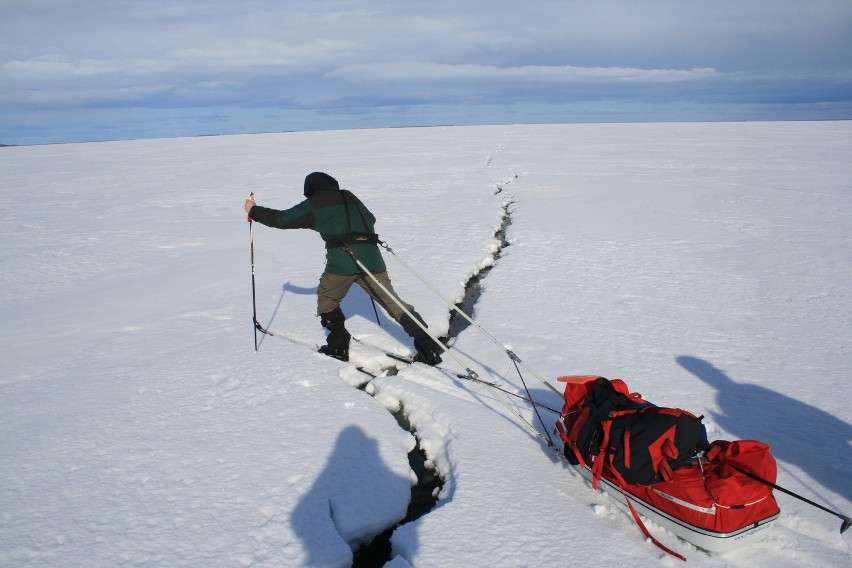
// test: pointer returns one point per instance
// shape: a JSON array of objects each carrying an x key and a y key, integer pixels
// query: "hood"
[{"x": 319, "y": 181}]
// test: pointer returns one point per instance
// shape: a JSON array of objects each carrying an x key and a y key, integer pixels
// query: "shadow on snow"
[
  {"x": 800, "y": 434},
  {"x": 353, "y": 483}
]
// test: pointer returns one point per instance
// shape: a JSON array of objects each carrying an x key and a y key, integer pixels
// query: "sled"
[
  {"x": 671, "y": 519},
  {"x": 708, "y": 500}
]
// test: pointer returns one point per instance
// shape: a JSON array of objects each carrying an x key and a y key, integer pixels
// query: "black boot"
[
  {"x": 337, "y": 342},
  {"x": 340, "y": 353},
  {"x": 410, "y": 326},
  {"x": 428, "y": 351}
]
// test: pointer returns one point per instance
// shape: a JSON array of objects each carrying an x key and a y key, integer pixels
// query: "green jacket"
[{"x": 335, "y": 214}]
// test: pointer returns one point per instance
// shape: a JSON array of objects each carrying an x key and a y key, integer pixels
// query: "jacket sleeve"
[{"x": 300, "y": 216}]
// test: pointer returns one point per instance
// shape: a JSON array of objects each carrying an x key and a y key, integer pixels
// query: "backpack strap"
[
  {"x": 663, "y": 468},
  {"x": 601, "y": 458},
  {"x": 606, "y": 453},
  {"x": 564, "y": 434}
]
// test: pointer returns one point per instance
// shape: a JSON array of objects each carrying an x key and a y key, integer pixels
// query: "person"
[{"x": 347, "y": 227}]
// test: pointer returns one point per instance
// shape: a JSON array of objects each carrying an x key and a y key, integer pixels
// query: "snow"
[{"x": 708, "y": 265}]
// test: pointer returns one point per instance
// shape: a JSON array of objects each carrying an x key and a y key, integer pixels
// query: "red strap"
[
  {"x": 577, "y": 454},
  {"x": 569, "y": 443},
  {"x": 665, "y": 470},
  {"x": 715, "y": 450},
  {"x": 561, "y": 428},
  {"x": 644, "y": 529},
  {"x": 597, "y": 467},
  {"x": 669, "y": 450}
]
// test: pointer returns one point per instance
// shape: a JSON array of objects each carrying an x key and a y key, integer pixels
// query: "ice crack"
[
  {"x": 429, "y": 483},
  {"x": 424, "y": 494},
  {"x": 473, "y": 286}
]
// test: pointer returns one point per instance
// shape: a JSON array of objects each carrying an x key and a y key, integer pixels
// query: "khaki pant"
[{"x": 334, "y": 287}]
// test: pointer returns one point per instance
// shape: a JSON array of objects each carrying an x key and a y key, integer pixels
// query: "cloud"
[
  {"x": 429, "y": 72},
  {"x": 261, "y": 53},
  {"x": 237, "y": 57},
  {"x": 332, "y": 56},
  {"x": 59, "y": 68}
]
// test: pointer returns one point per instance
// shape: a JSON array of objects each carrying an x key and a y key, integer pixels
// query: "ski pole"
[
  {"x": 376, "y": 311},
  {"x": 847, "y": 522},
  {"x": 253, "y": 293}
]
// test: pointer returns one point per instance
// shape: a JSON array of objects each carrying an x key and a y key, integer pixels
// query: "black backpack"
[{"x": 642, "y": 443}]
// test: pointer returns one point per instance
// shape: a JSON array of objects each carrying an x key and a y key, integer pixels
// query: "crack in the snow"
[
  {"x": 424, "y": 494},
  {"x": 473, "y": 286}
]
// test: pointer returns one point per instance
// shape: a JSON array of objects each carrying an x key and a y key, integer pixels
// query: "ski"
[
  {"x": 408, "y": 359},
  {"x": 472, "y": 376},
  {"x": 405, "y": 359},
  {"x": 310, "y": 345}
]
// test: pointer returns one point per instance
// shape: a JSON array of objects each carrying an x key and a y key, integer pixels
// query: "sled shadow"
[
  {"x": 330, "y": 517},
  {"x": 798, "y": 433}
]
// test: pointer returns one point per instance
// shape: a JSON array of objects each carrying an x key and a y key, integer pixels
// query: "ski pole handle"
[{"x": 251, "y": 198}]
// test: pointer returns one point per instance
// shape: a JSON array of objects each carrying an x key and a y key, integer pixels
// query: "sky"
[{"x": 86, "y": 70}]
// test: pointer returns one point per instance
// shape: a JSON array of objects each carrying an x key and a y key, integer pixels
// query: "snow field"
[{"x": 708, "y": 265}]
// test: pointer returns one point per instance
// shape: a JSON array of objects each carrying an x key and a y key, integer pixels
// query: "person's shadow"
[
  {"x": 337, "y": 509},
  {"x": 797, "y": 433}
]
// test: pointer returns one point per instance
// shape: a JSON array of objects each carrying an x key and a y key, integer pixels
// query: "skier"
[{"x": 346, "y": 226}]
